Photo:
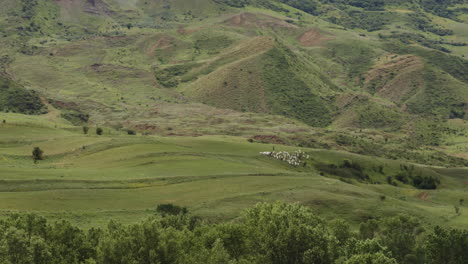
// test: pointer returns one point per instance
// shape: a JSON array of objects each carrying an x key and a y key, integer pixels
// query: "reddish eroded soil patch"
[
  {"x": 159, "y": 44},
  {"x": 164, "y": 42},
  {"x": 272, "y": 139},
  {"x": 312, "y": 37},
  {"x": 397, "y": 78},
  {"x": 187, "y": 31},
  {"x": 424, "y": 196},
  {"x": 253, "y": 20}
]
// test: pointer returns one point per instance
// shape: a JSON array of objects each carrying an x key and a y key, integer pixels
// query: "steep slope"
[{"x": 16, "y": 99}]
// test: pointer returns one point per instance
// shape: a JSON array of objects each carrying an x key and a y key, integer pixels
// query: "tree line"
[{"x": 276, "y": 233}]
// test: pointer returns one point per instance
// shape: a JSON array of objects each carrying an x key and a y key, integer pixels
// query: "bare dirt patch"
[
  {"x": 395, "y": 79},
  {"x": 313, "y": 37},
  {"x": 397, "y": 63},
  {"x": 424, "y": 196},
  {"x": 163, "y": 43},
  {"x": 187, "y": 31}
]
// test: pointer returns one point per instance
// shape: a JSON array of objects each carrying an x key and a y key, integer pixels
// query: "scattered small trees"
[
  {"x": 85, "y": 130},
  {"x": 37, "y": 154},
  {"x": 99, "y": 131}
]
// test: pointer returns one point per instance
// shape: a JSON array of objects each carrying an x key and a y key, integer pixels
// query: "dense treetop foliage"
[{"x": 268, "y": 233}]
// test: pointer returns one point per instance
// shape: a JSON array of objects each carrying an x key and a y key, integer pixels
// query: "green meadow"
[{"x": 90, "y": 179}]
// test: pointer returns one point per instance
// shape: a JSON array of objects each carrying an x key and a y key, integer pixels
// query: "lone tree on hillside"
[
  {"x": 37, "y": 154},
  {"x": 99, "y": 131},
  {"x": 85, "y": 130}
]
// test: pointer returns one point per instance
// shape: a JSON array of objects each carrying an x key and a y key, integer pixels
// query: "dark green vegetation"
[
  {"x": 37, "y": 154},
  {"x": 16, "y": 99},
  {"x": 289, "y": 95},
  {"x": 169, "y": 77},
  {"x": 268, "y": 233}
]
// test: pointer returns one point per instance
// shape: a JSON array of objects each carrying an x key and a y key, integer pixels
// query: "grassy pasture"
[{"x": 89, "y": 179}]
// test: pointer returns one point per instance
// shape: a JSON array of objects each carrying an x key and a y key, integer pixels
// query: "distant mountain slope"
[{"x": 349, "y": 65}]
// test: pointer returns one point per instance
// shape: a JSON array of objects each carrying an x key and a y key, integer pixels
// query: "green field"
[{"x": 90, "y": 179}]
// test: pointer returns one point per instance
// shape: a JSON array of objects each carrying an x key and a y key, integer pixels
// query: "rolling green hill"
[
  {"x": 361, "y": 66},
  {"x": 88, "y": 178}
]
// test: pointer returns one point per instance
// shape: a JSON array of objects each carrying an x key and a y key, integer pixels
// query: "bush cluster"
[
  {"x": 347, "y": 170},
  {"x": 409, "y": 175}
]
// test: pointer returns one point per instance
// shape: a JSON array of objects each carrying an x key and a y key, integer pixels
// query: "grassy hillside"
[{"x": 89, "y": 178}]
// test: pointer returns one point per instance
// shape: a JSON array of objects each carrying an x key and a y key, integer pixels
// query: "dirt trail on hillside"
[
  {"x": 53, "y": 114},
  {"x": 164, "y": 42}
]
